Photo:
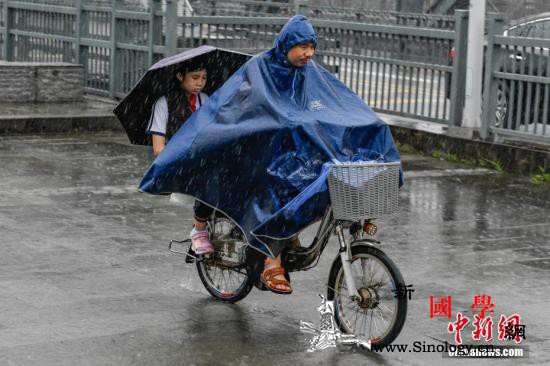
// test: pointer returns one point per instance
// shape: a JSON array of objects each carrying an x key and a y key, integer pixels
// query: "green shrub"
[
  {"x": 541, "y": 177},
  {"x": 495, "y": 164}
]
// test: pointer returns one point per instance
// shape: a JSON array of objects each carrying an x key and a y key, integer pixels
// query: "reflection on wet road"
[{"x": 86, "y": 278}]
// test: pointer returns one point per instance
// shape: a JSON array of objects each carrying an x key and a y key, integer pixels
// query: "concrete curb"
[
  {"x": 91, "y": 114},
  {"x": 428, "y": 137},
  {"x": 58, "y": 124}
]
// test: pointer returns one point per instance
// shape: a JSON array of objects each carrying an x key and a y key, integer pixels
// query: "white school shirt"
[{"x": 159, "y": 117}]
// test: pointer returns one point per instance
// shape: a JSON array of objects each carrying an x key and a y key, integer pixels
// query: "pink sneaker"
[{"x": 201, "y": 243}]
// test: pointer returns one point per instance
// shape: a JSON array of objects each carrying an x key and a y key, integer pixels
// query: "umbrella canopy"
[{"x": 135, "y": 109}]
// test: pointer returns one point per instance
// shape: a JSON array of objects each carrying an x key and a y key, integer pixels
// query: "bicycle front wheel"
[{"x": 379, "y": 315}]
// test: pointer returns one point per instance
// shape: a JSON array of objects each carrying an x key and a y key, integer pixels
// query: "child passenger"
[{"x": 169, "y": 113}]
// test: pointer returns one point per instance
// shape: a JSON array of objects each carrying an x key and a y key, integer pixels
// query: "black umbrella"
[{"x": 135, "y": 109}]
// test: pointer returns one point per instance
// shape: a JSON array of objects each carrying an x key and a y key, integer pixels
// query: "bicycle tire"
[
  {"x": 230, "y": 297},
  {"x": 365, "y": 250},
  {"x": 228, "y": 293}
]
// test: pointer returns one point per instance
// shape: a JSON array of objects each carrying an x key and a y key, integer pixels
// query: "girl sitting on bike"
[{"x": 169, "y": 113}]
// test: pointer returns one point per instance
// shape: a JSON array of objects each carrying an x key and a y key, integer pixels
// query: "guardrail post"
[
  {"x": 78, "y": 30},
  {"x": 171, "y": 40},
  {"x": 113, "y": 77},
  {"x": 458, "y": 80},
  {"x": 83, "y": 52},
  {"x": 154, "y": 6},
  {"x": 472, "y": 103},
  {"x": 494, "y": 26},
  {"x": 300, "y": 7},
  {"x": 7, "y": 51}
]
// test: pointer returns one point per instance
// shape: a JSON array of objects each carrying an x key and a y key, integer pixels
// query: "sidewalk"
[{"x": 92, "y": 114}]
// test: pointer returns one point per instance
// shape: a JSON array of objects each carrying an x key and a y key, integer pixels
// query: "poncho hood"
[{"x": 297, "y": 30}]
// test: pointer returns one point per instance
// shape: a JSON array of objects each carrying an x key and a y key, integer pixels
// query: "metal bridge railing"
[
  {"x": 517, "y": 86},
  {"x": 395, "y": 68},
  {"x": 115, "y": 45},
  {"x": 399, "y": 70},
  {"x": 257, "y": 8},
  {"x": 383, "y": 17}
]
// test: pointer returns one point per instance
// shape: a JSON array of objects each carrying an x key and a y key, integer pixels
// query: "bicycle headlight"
[{"x": 370, "y": 228}]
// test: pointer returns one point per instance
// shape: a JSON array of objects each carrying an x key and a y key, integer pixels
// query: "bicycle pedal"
[
  {"x": 191, "y": 255},
  {"x": 298, "y": 250},
  {"x": 260, "y": 285}
]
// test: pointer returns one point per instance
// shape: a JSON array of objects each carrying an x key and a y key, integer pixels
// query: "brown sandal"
[{"x": 267, "y": 279}]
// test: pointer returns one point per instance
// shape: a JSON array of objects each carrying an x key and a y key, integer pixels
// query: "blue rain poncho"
[{"x": 257, "y": 149}]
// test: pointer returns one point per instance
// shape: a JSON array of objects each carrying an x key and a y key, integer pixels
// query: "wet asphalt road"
[{"x": 86, "y": 278}]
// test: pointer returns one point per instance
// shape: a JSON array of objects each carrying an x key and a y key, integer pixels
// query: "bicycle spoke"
[
  {"x": 371, "y": 273},
  {"x": 232, "y": 279},
  {"x": 223, "y": 284},
  {"x": 364, "y": 327},
  {"x": 376, "y": 326},
  {"x": 375, "y": 273},
  {"x": 364, "y": 268},
  {"x": 214, "y": 274},
  {"x": 223, "y": 270},
  {"x": 352, "y": 309},
  {"x": 370, "y": 326},
  {"x": 355, "y": 322},
  {"x": 382, "y": 318},
  {"x": 378, "y": 316},
  {"x": 224, "y": 281},
  {"x": 381, "y": 306},
  {"x": 355, "y": 272},
  {"x": 229, "y": 281}
]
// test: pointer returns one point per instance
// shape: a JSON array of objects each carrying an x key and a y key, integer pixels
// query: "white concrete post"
[{"x": 474, "y": 65}]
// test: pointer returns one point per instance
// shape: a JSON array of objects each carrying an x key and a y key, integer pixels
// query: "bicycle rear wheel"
[
  {"x": 225, "y": 273},
  {"x": 379, "y": 316}
]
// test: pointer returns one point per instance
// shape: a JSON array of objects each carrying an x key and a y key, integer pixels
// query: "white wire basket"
[{"x": 364, "y": 190}]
